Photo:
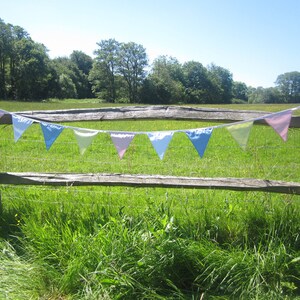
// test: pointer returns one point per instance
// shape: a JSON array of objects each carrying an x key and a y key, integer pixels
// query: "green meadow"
[{"x": 149, "y": 243}]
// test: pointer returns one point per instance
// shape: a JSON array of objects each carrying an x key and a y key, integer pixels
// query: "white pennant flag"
[
  {"x": 20, "y": 124},
  {"x": 84, "y": 138},
  {"x": 160, "y": 141}
]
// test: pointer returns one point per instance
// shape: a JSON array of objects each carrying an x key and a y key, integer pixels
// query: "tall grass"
[
  {"x": 95, "y": 244},
  {"x": 150, "y": 243}
]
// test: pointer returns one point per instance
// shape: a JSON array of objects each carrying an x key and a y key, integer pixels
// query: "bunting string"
[{"x": 199, "y": 137}]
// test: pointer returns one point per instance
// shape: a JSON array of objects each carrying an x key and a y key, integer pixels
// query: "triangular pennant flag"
[
  {"x": 121, "y": 141},
  {"x": 240, "y": 132},
  {"x": 160, "y": 141},
  {"x": 51, "y": 133},
  {"x": 200, "y": 138},
  {"x": 20, "y": 124},
  {"x": 84, "y": 138},
  {"x": 280, "y": 123}
]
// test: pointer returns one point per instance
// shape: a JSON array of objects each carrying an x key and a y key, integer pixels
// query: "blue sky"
[{"x": 256, "y": 40}]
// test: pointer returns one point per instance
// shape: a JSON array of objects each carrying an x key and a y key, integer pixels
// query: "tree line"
[{"x": 120, "y": 72}]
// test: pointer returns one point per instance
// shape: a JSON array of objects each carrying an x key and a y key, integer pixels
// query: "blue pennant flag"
[
  {"x": 20, "y": 124},
  {"x": 160, "y": 141},
  {"x": 200, "y": 138},
  {"x": 51, "y": 133}
]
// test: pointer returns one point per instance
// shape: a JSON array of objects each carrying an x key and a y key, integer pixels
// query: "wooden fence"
[{"x": 147, "y": 112}]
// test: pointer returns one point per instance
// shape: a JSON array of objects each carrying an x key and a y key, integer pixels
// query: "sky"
[{"x": 256, "y": 40}]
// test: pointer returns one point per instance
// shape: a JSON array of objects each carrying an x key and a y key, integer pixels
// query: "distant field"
[{"x": 149, "y": 243}]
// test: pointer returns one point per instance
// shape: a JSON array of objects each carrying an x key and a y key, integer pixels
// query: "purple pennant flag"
[
  {"x": 121, "y": 141},
  {"x": 51, "y": 133},
  {"x": 160, "y": 141},
  {"x": 20, "y": 124},
  {"x": 200, "y": 138},
  {"x": 280, "y": 123}
]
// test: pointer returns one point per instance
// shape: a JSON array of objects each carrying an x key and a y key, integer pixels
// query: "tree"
[
  {"x": 67, "y": 87},
  {"x": 64, "y": 65},
  {"x": 104, "y": 71},
  {"x": 28, "y": 67},
  {"x": 264, "y": 95},
  {"x": 84, "y": 64},
  {"x": 196, "y": 82},
  {"x": 221, "y": 84},
  {"x": 164, "y": 83},
  {"x": 289, "y": 86},
  {"x": 24, "y": 65},
  {"x": 83, "y": 61},
  {"x": 131, "y": 65},
  {"x": 240, "y": 90},
  {"x": 5, "y": 46}
]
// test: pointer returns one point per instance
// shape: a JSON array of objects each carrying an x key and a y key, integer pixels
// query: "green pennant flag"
[{"x": 240, "y": 132}]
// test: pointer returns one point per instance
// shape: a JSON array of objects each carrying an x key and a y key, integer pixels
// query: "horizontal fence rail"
[
  {"x": 146, "y": 112},
  {"x": 237, "y": 184}
]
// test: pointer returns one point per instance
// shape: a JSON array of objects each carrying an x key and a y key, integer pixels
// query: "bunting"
[
  {"x": 121, "y": 140},
  {"x": 84, "y": 138},
  {"x": 240, "y": 132},
  {"x": 51, "y": 133},
  {"x": 20, "y": 124},
  {"x": 200, "y": 138},
  {"x": 280, "y": 122},
  {"x": 160, "y": 141}
]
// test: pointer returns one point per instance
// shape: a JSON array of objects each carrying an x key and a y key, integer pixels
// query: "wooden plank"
[
  {"x": 145, "y": 112},
  {"x": 238, "y": 184}
]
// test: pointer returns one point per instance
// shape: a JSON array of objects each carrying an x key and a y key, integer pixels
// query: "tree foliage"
[
  {"x": 265, "y": 95},
  {"x": 164, "y": 83},
  {"x": 23, "y": 65},
  {"x": 240, "y": 90},
  {"x": 118, "y": 67},
  {"x": 105, "y": 69},
  {"x": 132, "y": 61},
  {"x": 289, "y": 86},
  {"x": 196, "y": 82},
  {"x": 221, "y": 84},
  {"x": 119, "y": 72}
]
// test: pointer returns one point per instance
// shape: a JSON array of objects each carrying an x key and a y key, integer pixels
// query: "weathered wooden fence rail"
[
  {"x": 237, "y": 184},
  {"x": 145, "y": 112},
  {"x": 139, "y": 113}
]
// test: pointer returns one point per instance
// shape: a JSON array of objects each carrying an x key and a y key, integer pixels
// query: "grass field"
[{"x": 149, "y": 243}]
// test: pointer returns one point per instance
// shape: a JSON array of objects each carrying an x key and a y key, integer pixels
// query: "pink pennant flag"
[
  {"x": 280, "y": 123},
  {"x": 240, "y": 132},
  {"x": 121, "y": 141},
  {"x": 84, "y": 138}
]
